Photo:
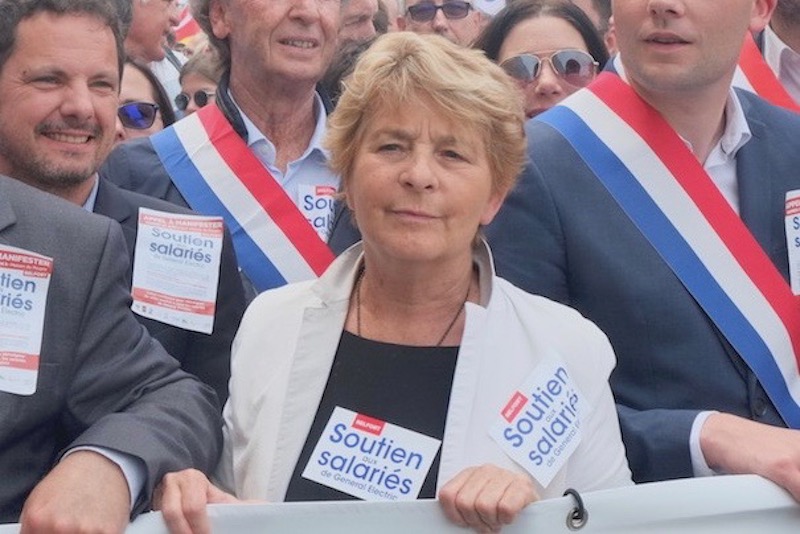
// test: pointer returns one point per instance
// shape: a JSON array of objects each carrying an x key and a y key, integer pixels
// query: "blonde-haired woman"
[{"x": 399, "y": 372}]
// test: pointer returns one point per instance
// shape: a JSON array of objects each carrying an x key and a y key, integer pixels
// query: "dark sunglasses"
[
  {"x": 201, "y": 98},
  {"x": 426, "y": 11},
  {"x": 137, "y": 115},
  {"x": 575, "y": 67}
]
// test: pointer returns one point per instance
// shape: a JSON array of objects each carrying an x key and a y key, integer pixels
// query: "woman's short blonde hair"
[{"x": 401, "y": 68}]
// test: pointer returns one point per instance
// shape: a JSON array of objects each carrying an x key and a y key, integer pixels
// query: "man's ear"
[
  {"x": 762, "y": 13},
  {"x": 218, "y": 17}
]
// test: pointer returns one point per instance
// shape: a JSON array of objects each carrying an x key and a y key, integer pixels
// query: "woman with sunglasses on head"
[
  {"x": 550, "y": 47},
  {"x": 144, "y": 106},
  {"x": 199, "y": 78}
]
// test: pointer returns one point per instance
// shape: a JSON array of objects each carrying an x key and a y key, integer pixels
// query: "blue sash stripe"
[
  {"x": 678, "y": 254},
  {"x": 190, "y": 182}
]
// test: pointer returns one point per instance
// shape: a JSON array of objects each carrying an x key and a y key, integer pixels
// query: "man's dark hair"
[
  {"x": 342, "y": 66},
  {"x": 124, "y": 14},
  {"x": 603, "y": 8},
  {"x": 13, "y": 12},
  {"x": 381, "y": 19},
  {"x": 788, "y": 11}
]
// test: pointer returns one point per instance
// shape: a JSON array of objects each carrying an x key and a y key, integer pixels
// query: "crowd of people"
[{"x": 391, "y": 250}]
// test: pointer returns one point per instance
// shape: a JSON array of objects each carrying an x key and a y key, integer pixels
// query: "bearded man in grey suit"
[
  {"x": 103, "y": 383},
  {"x": 106, "y": 411},
  {"x": 58, "y": 109}
]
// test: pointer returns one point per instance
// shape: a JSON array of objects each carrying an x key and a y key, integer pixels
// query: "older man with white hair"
[{"x": 255, "y": 156}]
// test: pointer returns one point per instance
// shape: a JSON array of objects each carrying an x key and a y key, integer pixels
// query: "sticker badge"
[
  {"x": 316, "y": 203},
  {"x": 176, "y": 269},
  {"x": 371, "y": 459},
  {"x": 24, "y": 282},
  {"x": 792, "y": 223},
  {"x": 540, "y": 427}
]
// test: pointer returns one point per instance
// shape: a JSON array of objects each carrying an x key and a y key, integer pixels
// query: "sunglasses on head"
[
  {"x": 426, "y": 11},
  {"x": 201, "y": 98},
  {"x": 575, "y": 67},
  {"x": 137, "y": 115}
]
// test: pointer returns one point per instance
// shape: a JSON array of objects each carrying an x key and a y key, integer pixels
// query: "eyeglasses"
[
  {"x": 137, "y": 115},
  {"x": 201, "y": 98},
  {"x": 575, "y": 67},
  {"x": 426, "y": 11}
]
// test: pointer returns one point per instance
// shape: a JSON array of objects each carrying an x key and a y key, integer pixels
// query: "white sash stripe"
[
  {"x": 240, "y": 202},
  {"x": 689, "y": 221},
  {"x": 741, "y": 81}
]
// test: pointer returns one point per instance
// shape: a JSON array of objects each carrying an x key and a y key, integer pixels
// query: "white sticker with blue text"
[
  {"x": 792, "y": 219},
  {"x": 176, "y": 269},
  {"x": 317, "y": 204},
  {"x": 371, "y": 459},
  {"x": 24, "y": 283},
  {"x": 540, "y": 427}
]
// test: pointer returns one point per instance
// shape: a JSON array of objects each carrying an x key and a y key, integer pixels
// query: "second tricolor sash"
[
  {"x": 667, "y": 194},
  {"x": 217, "y": 174},
  {"x": 756, "y": 76}
]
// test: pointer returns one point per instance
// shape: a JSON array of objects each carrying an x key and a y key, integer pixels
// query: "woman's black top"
[{"x": 402, "y": 385}]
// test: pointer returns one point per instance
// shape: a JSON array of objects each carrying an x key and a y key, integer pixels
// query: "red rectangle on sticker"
[
  {"x": 792, "y": 206},
  {"x": 368, "y": 424},
  {"x": 325, "y": 190},
  {"x": 514, "y": 406},
  {"x": 19, "y": 360}
]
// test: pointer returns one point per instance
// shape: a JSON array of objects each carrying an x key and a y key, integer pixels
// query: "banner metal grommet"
[{"x": 579, "y": 515}]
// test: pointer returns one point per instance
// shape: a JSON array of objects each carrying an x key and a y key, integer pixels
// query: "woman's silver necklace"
[{"x": 446, "y": 332}]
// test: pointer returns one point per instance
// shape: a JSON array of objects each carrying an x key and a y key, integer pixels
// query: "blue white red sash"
[
  {"x": 756, "y": 76},
  {"x": 217, "y": 174},
  {"x": 667, "y": 194}
]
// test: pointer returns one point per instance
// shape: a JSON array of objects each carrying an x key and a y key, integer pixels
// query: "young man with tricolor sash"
[
  {"x": 655, "y": 202},
  {"x": 255, "y": 156}
]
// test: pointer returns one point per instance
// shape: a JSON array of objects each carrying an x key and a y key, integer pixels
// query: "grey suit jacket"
[
  {"x": 207, "y": 356},
  {"x": 562, "y": 235},
  {"x": 103, "y": 381}
]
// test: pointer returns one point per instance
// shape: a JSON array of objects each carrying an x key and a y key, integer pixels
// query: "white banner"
[{"x": 730, "y": 505}]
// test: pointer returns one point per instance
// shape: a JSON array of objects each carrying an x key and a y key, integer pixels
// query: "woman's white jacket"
[{"x": 285, "y": 347}]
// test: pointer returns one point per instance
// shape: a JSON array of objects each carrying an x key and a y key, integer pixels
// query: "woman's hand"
[
  {"x": 487, "y": 497},
  {"x": 182, "y": 498}
]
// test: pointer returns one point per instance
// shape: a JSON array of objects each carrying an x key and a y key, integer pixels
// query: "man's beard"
[
  {"x": 54, "y": 174},
  {"x": 43, "y": 174}
]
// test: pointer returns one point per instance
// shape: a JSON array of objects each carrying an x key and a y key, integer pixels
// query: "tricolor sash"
[
  {"x": 217, "y": 174},
  {"x": 667, "y": 194},
  {"x": 754, "y": 75}
]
